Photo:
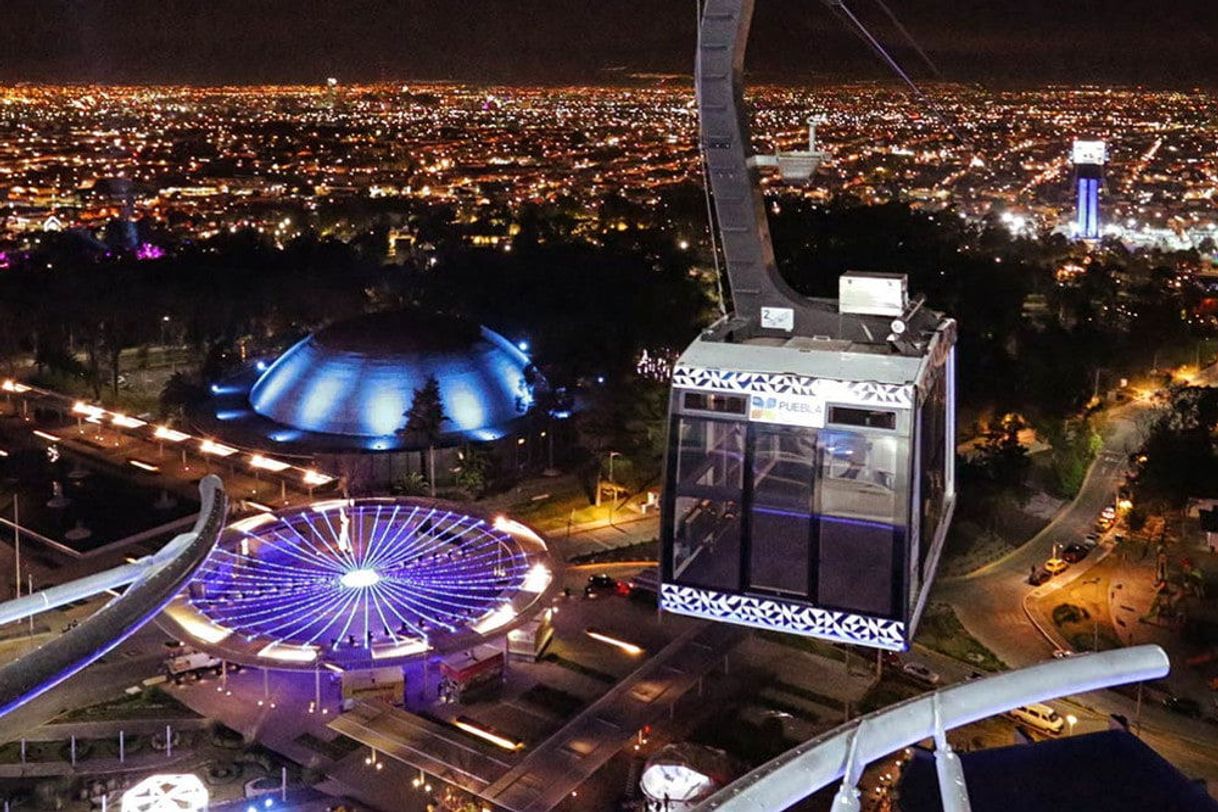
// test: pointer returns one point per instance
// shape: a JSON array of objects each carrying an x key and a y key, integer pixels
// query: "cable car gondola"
[{"x": 810, "y": 474}]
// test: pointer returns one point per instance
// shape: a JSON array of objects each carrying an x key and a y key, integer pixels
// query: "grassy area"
[
  {"x": 942, "y": 631},
  {"x": 151, "y": 703},
  {"x": 128, "y": 400},
  {"x": 1083, "y": 629},
  {"x": 808, "y": 644},
  {"x": 1080, "y": 611},
  {"x": 642, "y": 551},
  {"x": 811, "y": 696},
  {"x": 752, "y": 744},
  {"x": 890, "y": 690},
  {"x": 565, "y": 499}
]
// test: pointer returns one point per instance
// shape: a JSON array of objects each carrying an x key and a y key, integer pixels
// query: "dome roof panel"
[{"x": 358, "y": 378}]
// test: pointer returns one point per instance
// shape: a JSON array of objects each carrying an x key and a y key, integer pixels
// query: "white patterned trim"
[
  {"x": 861, "y": 393},
  {"x": 784, "y": 616}
]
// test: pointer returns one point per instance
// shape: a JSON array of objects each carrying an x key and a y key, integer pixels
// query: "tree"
[
  {"x": 474, "y": 472},
  {"x": 1075, "y": 444},
  {"x": 1005, "y": 459},
  {"x": 180, "y": 392},
  {"x": 425, "y": 419}
]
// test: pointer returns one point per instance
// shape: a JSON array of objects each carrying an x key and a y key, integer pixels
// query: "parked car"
[
  {"x": 1038, "y": 577},
  {"x": 1062, "y": 653},
  {"x": 1075, "y": 553},
  {"x": 1039, "y": 716},
  {"x": 1055, "y": 566},
  {"x": 1108, "y": 513},
  {"x": 1183, "y": 706},
  {"x": 921, "y": 673},
  {"x": 1093, "y": 539}
]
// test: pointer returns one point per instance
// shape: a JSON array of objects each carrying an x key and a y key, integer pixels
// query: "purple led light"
[
  {"x": 358, "y": 575},
  {"x": 147, "y": 250}
]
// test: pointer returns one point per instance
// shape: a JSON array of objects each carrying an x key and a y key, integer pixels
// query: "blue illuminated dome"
[{"x": 357, "y": 379}]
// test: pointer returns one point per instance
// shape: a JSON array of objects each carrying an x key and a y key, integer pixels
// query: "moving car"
[
  {"x": 921, "y": 673},
  {"x": 1039, "y": 716},
  {"x": 1038, "y": 577},
  {"x": 647, "y": 581},
  {"x": 604, "y": 584}
]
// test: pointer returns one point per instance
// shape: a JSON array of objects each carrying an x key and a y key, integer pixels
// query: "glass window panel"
[
  {"x": 711, "y": 455},
  {"x": 858, "y": 537},
  {"x": 859, "y": 475},
  {"x": 706, "y": 543},
  {"x": 706, "y": 519},
  {"x": 711, "y": 402},
  {"x": 933, "y": 485},
  {"x": 856, "y": 567},
  {"x": 784, "y": 469},
  {"x": 867, "y": 418}
]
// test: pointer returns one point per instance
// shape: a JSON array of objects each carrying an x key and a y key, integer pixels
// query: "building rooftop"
[{"x": 1108, "y": 771}]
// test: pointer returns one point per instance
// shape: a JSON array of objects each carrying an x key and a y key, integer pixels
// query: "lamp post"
[
  {"x": 612, "y": 485},
  {"x": 1071, "y": 720}
]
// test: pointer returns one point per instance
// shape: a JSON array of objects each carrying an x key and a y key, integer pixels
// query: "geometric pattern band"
[
  {"x": 859, "y": 393},
  {"x": 784, "y": 616}
]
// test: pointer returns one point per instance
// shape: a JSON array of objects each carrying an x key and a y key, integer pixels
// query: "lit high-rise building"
[{"x": 1089, "y": 158}]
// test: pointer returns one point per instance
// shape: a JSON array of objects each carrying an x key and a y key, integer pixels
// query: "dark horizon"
[{"x": 141, "y": 42}]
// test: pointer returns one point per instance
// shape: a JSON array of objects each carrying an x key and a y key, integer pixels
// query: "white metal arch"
[{"x": 846, "y": 750}]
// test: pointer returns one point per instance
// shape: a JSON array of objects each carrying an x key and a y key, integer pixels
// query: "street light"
[
  {"x": 613, "y": 485},
  {"x": 1071, "y": 720}
]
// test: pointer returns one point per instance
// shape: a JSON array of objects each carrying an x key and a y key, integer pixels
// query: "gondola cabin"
[{"x": 810, "y": 478}]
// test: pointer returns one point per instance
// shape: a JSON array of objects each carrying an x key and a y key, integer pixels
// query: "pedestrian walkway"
[{"x": 551, "y": 772}]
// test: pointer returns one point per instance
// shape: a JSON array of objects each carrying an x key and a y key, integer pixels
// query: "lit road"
[
  {"x": 989, "y": 601},
  {"x": 990, "y": 604}
]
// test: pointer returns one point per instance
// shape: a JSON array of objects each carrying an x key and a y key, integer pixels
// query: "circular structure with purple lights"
[{"x": 363, "y": 582}]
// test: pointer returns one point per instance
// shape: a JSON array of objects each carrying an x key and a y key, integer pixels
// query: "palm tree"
[{"x": 424, "y": 419}]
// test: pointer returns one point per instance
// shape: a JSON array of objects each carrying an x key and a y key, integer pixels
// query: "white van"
[{"x": 1039, "y": 716}]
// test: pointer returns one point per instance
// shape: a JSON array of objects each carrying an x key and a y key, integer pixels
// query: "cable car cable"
[
  {"x": 909, "y": 38},
  {"x": 865, "y": 35}
]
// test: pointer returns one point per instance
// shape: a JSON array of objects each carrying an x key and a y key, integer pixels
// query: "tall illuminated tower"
[{"x": 1089, "y": 158}]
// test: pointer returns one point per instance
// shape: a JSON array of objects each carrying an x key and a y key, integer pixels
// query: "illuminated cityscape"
[
  {"x": 286, "y": 160},
  {"x": 448, "y": 408}
]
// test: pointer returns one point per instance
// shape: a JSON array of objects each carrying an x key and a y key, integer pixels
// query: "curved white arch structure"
[
  {"x": 154, "y": 581},
  {"x": 844, "y": 751}
]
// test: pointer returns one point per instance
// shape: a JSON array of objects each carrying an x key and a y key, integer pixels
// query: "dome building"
[{"x": 342, "y": 395}]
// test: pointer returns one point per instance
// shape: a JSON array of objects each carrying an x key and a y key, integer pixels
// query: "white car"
[
  {"x": 921, "y": 673},
  {"x": 1041, "y": 717}
]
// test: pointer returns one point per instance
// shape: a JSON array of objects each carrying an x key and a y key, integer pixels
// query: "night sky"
[{"x": 1170, "y": 43}]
